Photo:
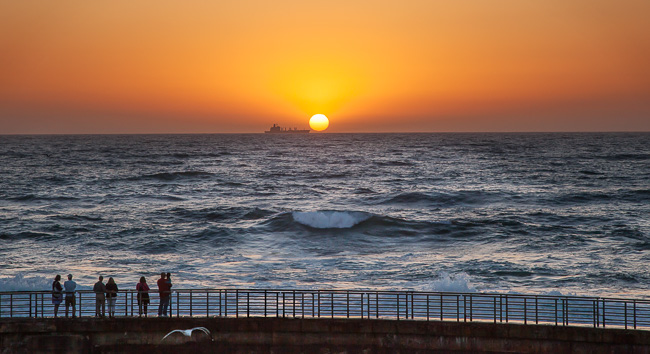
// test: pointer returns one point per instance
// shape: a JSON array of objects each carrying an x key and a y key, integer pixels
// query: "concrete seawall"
[{"x": 279, "y": 335}]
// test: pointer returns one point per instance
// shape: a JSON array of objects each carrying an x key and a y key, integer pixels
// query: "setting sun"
[{"x": 319, "y": 122}]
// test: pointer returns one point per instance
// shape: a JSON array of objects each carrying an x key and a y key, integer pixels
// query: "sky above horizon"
[{"x": 381, "y": 66}]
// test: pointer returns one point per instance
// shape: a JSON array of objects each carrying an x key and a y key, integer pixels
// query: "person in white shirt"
[{"x": 69, "y": 287}]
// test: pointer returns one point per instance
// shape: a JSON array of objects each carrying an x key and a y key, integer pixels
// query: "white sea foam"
[
  {"x": 451, "y": 282},
  {"x": 330, "y": 219},
  {"x": 22, "y": 283},
  {"x": 559, "y": 293}
]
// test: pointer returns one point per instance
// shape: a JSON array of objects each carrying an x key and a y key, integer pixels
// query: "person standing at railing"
[
  {"x": 163, "y": 290},
  {"x": 70, "y": 286},
  {"x": 57, "y": 294},
  {"x": 100, "y": 298},
  {"x": 143, "y": 296},
  {"x": 111, "y": 296}
]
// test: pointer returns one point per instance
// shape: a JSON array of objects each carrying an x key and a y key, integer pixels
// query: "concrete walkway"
[{"x": 277, "y": 335}]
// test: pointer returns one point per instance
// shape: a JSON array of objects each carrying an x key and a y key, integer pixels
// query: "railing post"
[
  {"x": 441, "y": 300},
  {"x": 277, "y": 304},
  {"x": 500, "y": 308},
  {"x": 332, "y": 308},
  {"x": 525, "y": 312},
  {"x": 604, "y": 321},
  {"x": 368, "y": 305},
  {"x": 318, "y": 303},
  {"x": 377, "y": 303},
  {"x": 471, "y": 305},
  {"x": 555, "y": 311},
  {"x": 347, "y": 303},
  {"x": 207, "y": 304},
  {"x": 406, "y": 305},
  {"x": 178, "y": 305},
  {"x": 236, "y": 303},
  {"x": 248, "y": 304},
  {"x": 536, "y": 311},
  {"x": 597, "y": 313},
  {"x": 293, "y": 293},
  {"x": 457, "y": 308},
  {"x": 284, "y": 303},
  {"x": 265, "y": 295},
  {"x": 634, "y": 309},
  {"x": 427, "y": 307},
  {"x": 30, "y": 305},
  {"x": 464, "y": 308},
  {"x": 170, "y": 304},
  {"x": 302, "y": 303},
  {"x": 191, "y": 303},
  {"x": 361, "y": 305},
  {"x": 625, "y": 311},
  {"x": 397, "y": 295},
  {"x": 507, "y": 310}
]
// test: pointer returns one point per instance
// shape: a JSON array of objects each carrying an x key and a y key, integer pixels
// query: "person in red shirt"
[{"x": 163, "y": 290}]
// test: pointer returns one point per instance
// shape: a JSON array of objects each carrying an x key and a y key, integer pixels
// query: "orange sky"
[{"x": 202, "y": 66}]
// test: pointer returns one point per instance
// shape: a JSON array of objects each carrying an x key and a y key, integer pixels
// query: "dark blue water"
[{"x": 533, "y": 213}]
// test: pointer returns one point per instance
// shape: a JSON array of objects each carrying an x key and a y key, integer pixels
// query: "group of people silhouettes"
[{"x": 108, "y": 293}]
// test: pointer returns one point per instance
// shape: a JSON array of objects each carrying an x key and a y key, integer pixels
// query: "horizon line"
[{"x": 319, "y": 133}]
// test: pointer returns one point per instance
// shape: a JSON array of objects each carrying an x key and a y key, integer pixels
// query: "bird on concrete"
[{"x": 188, "y": 332}]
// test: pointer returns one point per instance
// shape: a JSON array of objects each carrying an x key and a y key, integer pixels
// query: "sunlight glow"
[{"x": 319, "y": 122}]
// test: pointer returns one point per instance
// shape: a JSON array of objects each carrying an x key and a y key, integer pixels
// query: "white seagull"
[{"x": 188, "y": 332}]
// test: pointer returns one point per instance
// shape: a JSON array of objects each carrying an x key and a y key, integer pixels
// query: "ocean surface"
[{"x": 514, "y": 213}]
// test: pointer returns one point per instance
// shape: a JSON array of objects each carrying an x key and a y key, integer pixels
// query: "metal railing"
[{"x": 395, "y": 305}]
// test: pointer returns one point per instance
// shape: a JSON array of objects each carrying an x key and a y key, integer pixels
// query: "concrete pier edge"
[{"x": 282, "y": 335}]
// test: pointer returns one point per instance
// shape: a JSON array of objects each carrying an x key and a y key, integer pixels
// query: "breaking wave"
[
  {"x": 21, "y": 283},
  {"x": 451, "y": 282},
  {"x": 330, "y": 219}
]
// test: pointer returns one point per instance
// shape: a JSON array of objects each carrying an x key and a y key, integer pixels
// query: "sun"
[{"x": 319, "y": 122}]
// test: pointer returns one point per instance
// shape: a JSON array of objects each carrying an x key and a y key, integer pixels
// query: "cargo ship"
[{"x": 276, "y": 129}]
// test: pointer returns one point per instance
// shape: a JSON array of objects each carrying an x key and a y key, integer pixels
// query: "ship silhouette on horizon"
[{"x": 276, "y": 129}]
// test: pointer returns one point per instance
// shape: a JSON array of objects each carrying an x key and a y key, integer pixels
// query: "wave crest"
[
  {"x": 452, "y": 283},
  {"x": 439, "y": 199},
  {"x": 21, "y": 283},
  {"x": 330, "y": 219}
]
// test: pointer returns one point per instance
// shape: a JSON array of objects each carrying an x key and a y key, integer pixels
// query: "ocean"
[{"x": 534, "y": 213}]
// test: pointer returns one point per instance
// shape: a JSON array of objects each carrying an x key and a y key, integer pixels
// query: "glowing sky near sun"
[{"x": 239, "y": 66}]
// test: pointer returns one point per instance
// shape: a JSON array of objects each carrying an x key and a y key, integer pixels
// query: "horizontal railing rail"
[{"x": 361, "y": 304}]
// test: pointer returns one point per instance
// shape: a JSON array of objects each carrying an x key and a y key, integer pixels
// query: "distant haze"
[{"x": 370, "y": 66}]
